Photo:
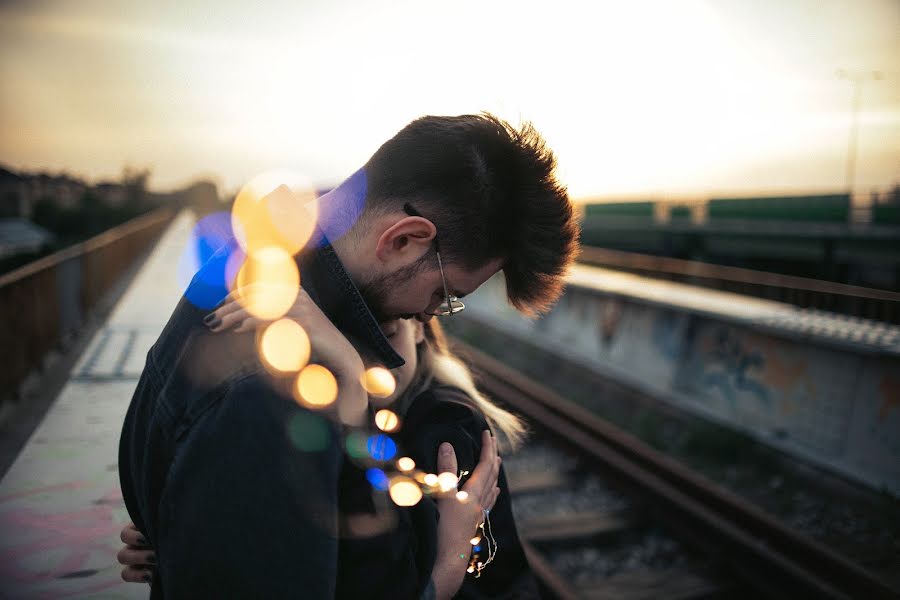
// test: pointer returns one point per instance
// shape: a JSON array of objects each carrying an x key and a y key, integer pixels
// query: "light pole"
[{"x": 857, "y": 78}]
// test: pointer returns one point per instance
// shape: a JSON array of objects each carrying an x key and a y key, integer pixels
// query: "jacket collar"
[{"x": 329, "y": 285}]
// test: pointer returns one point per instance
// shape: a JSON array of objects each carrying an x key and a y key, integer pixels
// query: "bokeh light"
[
  {"x": 355, "y": 444},
  {"x": 381, "y": 447},
  {"x": 339, "y": 209},
  {"x": 405, "y": 463},
  {"x": 447, "y": 481},
  {"x": 316, "y": 387},
  {"x": 377, "y": 478},
  {"x": 284, "y": 346},
  {"x": 268, "y": 282},
  {"x": 275, "y": 208},
  {"x": 387, "y": 420},
  {"x": 475, "y": 540},
  {"x": 462, "y": 495},
  {"x": 431, "y": 479},
  {"x": 378, "y": 382},
  {"x": 308, "y": 432},
  {"x": 203, "y": 267},
  {"x": 405, "y": 491}
]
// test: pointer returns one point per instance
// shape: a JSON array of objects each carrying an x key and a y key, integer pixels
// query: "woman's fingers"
[
  {"x": 492, "y": 498},
  {"x": 131, "y": 536},
  {"x": 132, "y": 556},
  {"x": 446, "y": 460},
  {"x": 488, "y": 450},
  {"x": 229, "y": 320},
  {"x": 248, "y": 324},
  {"x": 137, "y": 574},
  {"x": 233, "y": 315},
  {"x": 137, "y": 556},
  {"x": 487, "y": 470},
  {"x": 230, "y": 305},
  {"x": 483, "y": 481}
]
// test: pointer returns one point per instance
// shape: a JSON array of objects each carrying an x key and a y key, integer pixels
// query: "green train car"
[{"x": 806, "y": 235}]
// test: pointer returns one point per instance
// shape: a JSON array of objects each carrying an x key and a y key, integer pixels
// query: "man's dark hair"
[{"x": 490, "y": 191}]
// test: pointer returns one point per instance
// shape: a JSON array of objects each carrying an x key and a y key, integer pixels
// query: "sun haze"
[{"x": 635, "y": 97}]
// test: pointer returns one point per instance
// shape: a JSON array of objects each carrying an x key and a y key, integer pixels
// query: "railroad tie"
[
  {"x": 576, "y": 526},
  {"x": 538, "y": 481},
  {"x": 652, "y": 584}
]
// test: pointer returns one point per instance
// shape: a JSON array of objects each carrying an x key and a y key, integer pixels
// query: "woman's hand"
[
  {"x": 460, "y": 518},
  {"x": 137, "y": 556},
  {"x": 328, "y": 345}
]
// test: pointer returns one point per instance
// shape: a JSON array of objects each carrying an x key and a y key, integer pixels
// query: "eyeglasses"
[{"x": 452, "y": 304}]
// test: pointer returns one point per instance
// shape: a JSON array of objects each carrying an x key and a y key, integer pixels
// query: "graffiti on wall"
[
  {"x": 668, "y": 334},
  {"x": 608, "y": 323},
  {"x": 732, "y": 367},
  {"x": 738, "y": 365},
  {"x": 890, "y": 396}
]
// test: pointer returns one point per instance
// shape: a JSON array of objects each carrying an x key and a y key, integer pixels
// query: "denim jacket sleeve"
[{"x": 249, "y": 503}]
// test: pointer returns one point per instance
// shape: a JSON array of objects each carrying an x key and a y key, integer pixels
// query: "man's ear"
[{"x": 405, "y": 241}]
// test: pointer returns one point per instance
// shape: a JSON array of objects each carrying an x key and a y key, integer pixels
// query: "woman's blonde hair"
[{"x": 436, "y": 364}]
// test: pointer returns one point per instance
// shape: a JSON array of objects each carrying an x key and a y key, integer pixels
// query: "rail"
[
  {"x": 852, "y": 300},
  {"x": 44, "y": 301},
  {"x": 765, "y": 553}
]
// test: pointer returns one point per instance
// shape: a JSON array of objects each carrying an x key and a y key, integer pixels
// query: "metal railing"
[
  {"x": 852, "y": 300},
  {"x": 47, "y": 299}
]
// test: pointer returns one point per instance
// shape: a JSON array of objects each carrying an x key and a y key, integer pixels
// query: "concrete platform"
[{"x": 61, "y": 508}]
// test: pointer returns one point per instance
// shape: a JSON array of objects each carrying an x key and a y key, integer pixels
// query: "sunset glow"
[{"x": 639, "y": 97}]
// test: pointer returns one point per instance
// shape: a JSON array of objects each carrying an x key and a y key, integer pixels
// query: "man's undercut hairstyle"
[{"x": 491, "y": 192}]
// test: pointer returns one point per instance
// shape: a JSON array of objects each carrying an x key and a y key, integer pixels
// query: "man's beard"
[{"x": 375, "y": 291}]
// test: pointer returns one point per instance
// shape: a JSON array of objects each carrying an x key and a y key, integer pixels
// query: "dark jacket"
[
  {"x": 233, "y": 483},
  {"x": 397, "y": 564}
]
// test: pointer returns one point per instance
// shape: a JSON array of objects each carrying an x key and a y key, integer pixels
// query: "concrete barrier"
[
  {"x": 46, "y": 300},
  {"x": 822, "y": 387}
]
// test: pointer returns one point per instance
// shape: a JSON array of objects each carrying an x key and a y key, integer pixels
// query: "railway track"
[{"x": 587, "y": 495}]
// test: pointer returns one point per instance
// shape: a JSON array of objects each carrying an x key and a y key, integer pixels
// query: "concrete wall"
[{"x": 835, "y": 404}]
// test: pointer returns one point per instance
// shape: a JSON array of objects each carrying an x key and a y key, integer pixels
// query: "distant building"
[
  {"x": 12, "y": 195},
  {"x": 19, "y": 193},
  {"x": 19, "y": 235},
  {"x": 66, "y": 192},
  {"x": 110, "y": 194}
]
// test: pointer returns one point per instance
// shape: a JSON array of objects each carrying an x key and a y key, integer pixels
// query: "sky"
[{"x": 640, "y": 98}]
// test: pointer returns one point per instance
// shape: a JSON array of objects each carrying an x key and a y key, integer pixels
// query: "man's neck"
[
  {"x": 347, "y": 249},
  {"x": 338, "y": 213}
]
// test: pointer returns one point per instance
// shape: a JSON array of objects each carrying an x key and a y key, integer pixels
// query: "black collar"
[{"x": 329, "y": 285}]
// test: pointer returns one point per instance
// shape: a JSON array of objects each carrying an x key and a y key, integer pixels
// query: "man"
[{"x": 208, "y": 454}]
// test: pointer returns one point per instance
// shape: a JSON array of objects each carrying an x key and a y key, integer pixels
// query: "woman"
[{"x": 437, "y": 402}]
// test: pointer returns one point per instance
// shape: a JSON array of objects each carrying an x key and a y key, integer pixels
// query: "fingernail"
[
  {"x": 146, "y": 577},
  {"x": 446, "y": 449},
  {"x": 142, "y": 541},
  {"x": 209, "y": 318},
  {"x": 151, "y": 559},
  {"x": 214, "y": 323}
]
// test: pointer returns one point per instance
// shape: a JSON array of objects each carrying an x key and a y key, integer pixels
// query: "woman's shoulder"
[
  {"x": 445, "y": 404},
  {"x": 442, "y": 414}
]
